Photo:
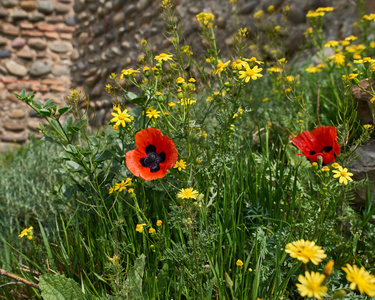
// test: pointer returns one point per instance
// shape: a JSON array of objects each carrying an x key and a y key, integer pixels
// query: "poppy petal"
[
  {"x": 305, "y": 142},
  {"x": 326, "y": 136},
  {"x": 322, "y": 141}
]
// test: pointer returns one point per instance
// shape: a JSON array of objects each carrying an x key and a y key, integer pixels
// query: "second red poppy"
[{"x": 322, "y": 141}]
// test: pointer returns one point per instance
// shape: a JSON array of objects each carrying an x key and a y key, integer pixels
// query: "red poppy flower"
[
  {"x": 322, "y": 141},
  {"x": 153, "y": 156}
]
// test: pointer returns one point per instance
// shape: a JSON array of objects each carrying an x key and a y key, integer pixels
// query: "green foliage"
[
  {"x": 58, "y": 287},
  {"x": 250, "y": 194}
]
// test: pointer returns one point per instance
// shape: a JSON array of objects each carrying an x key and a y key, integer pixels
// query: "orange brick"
[
  {"x": 27, "y": 26},
  {"x": 33, "y": 33},
  {"x": 53, "y": 81},
  {"x": 58, "y": 88},
  {"x": 65, "y": 29},
  {"x": 51, "y": 35},
  {"x": 66, "y": 36},
  {"x": 45, "y": 27}
]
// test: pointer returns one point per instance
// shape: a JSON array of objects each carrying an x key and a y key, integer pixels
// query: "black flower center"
[
  {"x": 326, "y": 149},
  {"x": 152, "y": 159}
]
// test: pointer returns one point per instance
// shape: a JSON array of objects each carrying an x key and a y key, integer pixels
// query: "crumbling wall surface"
[
  {"x": 35, "y": 54},
  {"x": 50, "y": 46}
]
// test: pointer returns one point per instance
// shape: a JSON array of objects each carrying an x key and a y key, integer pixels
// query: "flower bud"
[
  {"x": 339, "y": 294},
  {"x": 319, "y": 160},
  {"x": 328, "y": 268}
]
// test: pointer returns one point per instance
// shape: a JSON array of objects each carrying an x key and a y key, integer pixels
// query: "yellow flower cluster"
[
  {"x": 122, "y": 186},
  {"x": 139, "y": 227},
  {"x": 27, "y": 232},
  {"x": 205, "y": 19}
]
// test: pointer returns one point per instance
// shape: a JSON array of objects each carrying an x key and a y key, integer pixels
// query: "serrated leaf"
[{"x": 58, "y": 287}]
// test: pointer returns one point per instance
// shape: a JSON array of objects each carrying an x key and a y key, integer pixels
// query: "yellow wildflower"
[
  {"x": 188, "y": 193},
  {"x": 163, "y": 57},
  {"x": 305, "y": 251},
  {"x": 343, "y": 175},
  {"x": 181, "y": 165},
  {"x": 139, "y": 227}
]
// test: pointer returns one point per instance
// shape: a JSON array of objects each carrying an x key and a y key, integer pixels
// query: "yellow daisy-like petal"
[
  {"x": 305, "y": 251},
  {"x": 250, "y": 73},
  {"x": 343, "y": 175},
  {"x": 311, "y": 285},
  {"x": 361, "y": 279},
  {"x": 188, "y": 193}
]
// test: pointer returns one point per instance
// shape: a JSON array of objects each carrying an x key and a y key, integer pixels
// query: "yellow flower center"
[
  {"x": 163, "y": 55},
  {"x": 343, "y": 173},
  {"x": 250, "y": 73},
  {"x": 121, "y": 117}
]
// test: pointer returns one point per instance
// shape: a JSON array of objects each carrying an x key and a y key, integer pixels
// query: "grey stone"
[
  {"x": 26, "y": 53},
  {"x": 14, "y": 126},
  {"x": 17, "y": 114},
  {"x": 130, "y": 9},
  {"x": 147, "y": 17},
  {"x": 39, "y": 68},
  {"x": 120, "y": 3},
  {"x": 18, "y": 15},
  {"x": 93, "y": 7},
  {"x": 74, "y": 55},
  {"x": 38, "y": 43},
  {"x": 119, "y": 19},
  {"x": 60, "y": 47},
  {"x": 296, "y": 15},
  {"x": 194, "y": 10},
  {"x": 61, "y": 71},
  {"x": 364, "y": 167},
  {"x": 55, "y": 19},
  {"x": 15, "y": 68},
  {"x": 28, "y": 5},
  {"x": 275, "y": 3},
  {"x": 45, "y": 6},
  {"x": 5, "y": 53},
  {"x": 248, "y": 8},
  {"x": 13, "y": 138},
  {"x": 3, "y": 41},
  {"x": 62, "y": 8},
  {"x": 142, "y": 4},
  {"x": 79, "y": 5},
  {"x": 362, "y": 101},
  {"x": 33, "y": 125},
  {"x": 97, "y": 90},
  {"x": 91, "y": 81},
  {"x": 9, "y": 3},
  {"x": 36, "y": 17},
  {"x": 18, "y": 42},
  {"x": 221, "y": 22},
  {"x": 107, "y": 7},
  {"x": 71, "y": 20},
  {"x": 3, "y": 12}
]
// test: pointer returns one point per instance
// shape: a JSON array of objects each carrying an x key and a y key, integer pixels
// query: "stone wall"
[
  {"x": 109, "y": 32},
  {"x": 50, "y": 46},
  {"x": 35, "y": 54}
]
